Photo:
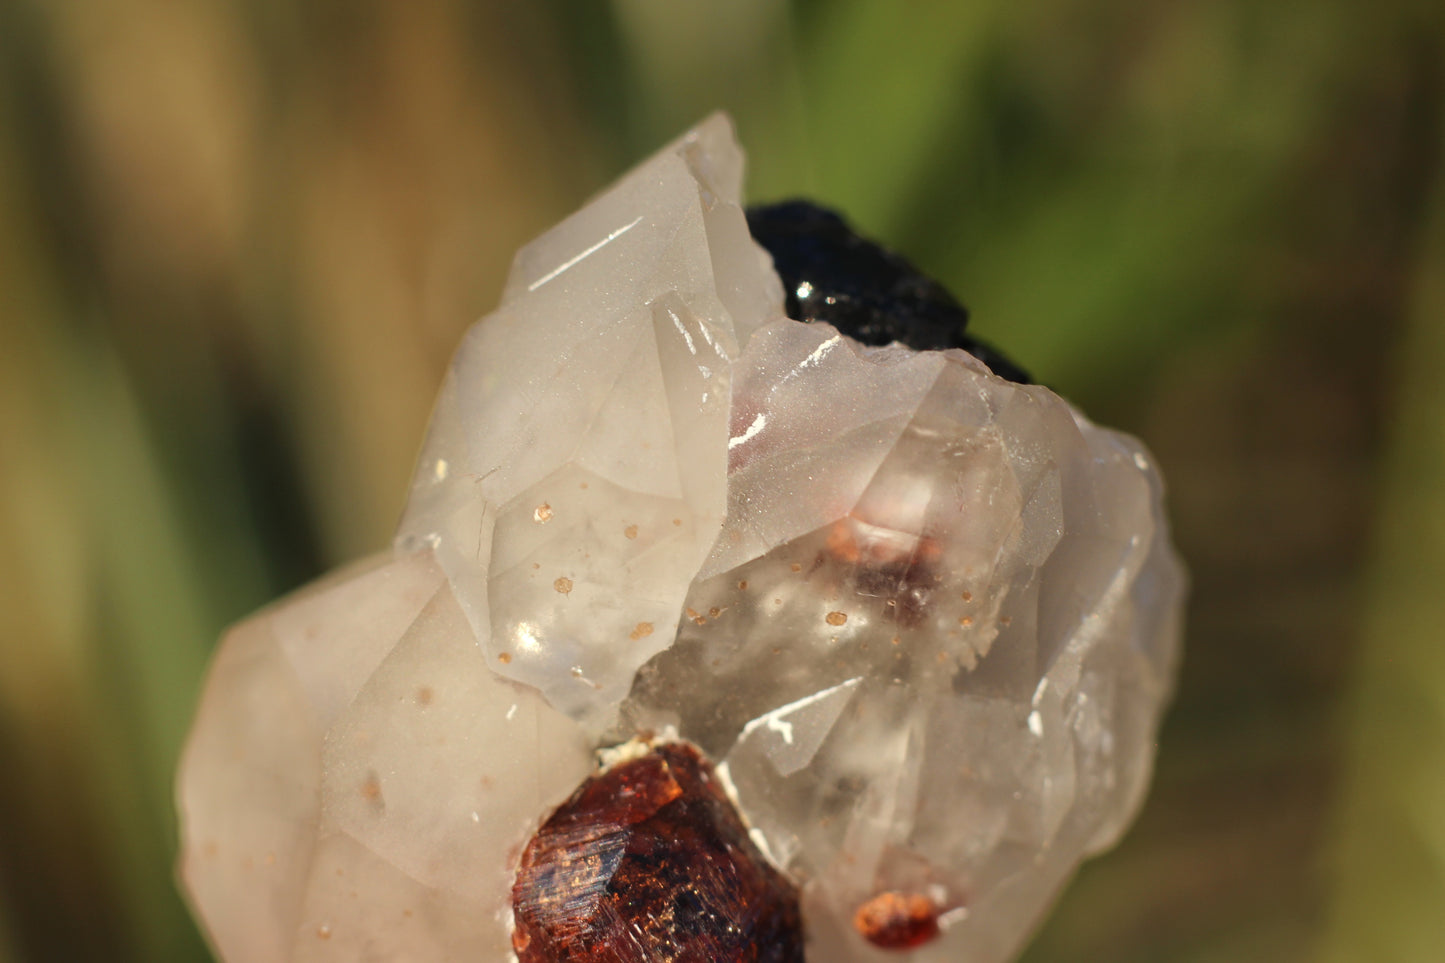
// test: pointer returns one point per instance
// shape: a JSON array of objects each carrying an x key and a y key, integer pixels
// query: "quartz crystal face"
[{"x": 885, "y": 633}]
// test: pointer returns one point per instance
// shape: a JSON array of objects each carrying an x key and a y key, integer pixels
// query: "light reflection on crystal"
[{"x": 924, "y": 619}]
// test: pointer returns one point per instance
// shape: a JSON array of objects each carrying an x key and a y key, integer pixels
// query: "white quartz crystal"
[
  {"x": 933, "y": 640},
  {"x": 925, "y": 619},
  {"x": 357, "y": 779}
]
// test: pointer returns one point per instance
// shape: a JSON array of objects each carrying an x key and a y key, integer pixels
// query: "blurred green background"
[{"x": 239, "y": 239}]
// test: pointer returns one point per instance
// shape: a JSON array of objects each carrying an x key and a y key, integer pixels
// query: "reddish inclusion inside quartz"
[
  {"x": 897, "y": 921},
  {"x": 649, "y": 861}
]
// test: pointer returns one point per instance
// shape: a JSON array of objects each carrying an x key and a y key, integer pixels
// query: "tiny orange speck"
[
  {"x": 643, "y": 630},
  {"x": 836, "y": 618},
  {"x": 504, "y": 657},
  {"x": 542, "y": 513},
  {"x": 630, "y": 531},
  {"x": 563, "y": 584}
]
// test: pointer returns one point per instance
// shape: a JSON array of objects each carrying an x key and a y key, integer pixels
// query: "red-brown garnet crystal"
[{"x": 649, "y": 862}]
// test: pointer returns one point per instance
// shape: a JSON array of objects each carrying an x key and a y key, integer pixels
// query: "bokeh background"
[{"x": 239, "y": 239}]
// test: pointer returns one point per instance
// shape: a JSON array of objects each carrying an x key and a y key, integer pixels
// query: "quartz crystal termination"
[{"x": 922, "y": 619}]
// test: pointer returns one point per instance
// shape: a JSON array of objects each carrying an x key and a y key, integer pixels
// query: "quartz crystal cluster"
[{"x": 709, "y": 633}]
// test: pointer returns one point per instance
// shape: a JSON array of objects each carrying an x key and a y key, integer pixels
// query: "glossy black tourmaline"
[{"x": 867, "y": 292}]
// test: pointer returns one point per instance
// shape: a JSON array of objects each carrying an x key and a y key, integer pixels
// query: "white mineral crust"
[{"x": 926, "y": 619}]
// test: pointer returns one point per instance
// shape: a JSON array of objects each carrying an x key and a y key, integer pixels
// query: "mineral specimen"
[
  {"x": 921, "y": 617},
  {"x": 650, "y": 861},
  {"x": 868, "y": 293},
  {"x": 898, "y": 921}
]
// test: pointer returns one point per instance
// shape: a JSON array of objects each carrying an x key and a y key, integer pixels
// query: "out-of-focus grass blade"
[
  {"x": 845, "y": 101},
  {"x": 1102, "y": 274},
  {"x": 106, "y": 655},
  {"x": 882, "y": 83},
  {"x": 103, "y": 630},
  {"x": 1100, "y": 221},
  {"x": 153, "y": 634},
  {"x": 1389, "y": 876},
  {"x": 680, "y": 62},
  {"x": 7, "y": 946}
]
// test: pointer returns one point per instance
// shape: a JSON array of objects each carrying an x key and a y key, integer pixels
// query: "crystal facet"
[
  {"x": 649, "y": 861},
  {"x": 871, "y": 294},
  {"x": 922, "y": 618}
]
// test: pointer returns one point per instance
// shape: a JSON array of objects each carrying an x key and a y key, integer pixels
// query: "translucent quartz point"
[
  {"x": 938, "y": 668},
  {"x": 575, "y": 474},
  {"x": 922, "y": 620}
]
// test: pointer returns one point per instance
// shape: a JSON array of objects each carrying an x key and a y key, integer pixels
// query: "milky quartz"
[{"x": 924, "y": 619}]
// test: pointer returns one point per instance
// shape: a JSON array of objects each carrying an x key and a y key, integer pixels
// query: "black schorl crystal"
[{"x": 867, "y": 292}]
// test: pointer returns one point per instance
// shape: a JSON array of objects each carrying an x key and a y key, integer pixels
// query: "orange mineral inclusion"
[{"x": 897, "y": 921}]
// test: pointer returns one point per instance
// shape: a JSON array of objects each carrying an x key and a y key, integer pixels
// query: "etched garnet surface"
[{"x": 650, "y": 863}]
